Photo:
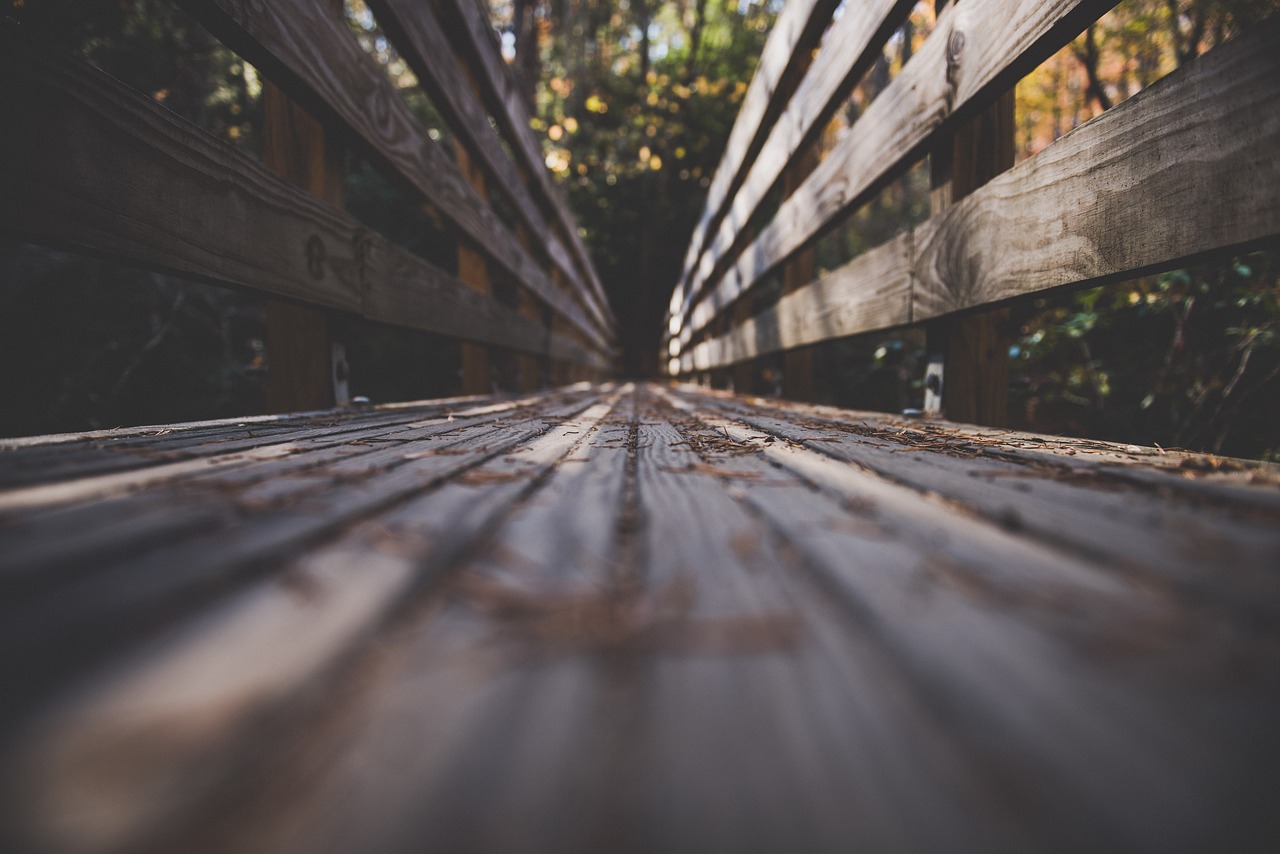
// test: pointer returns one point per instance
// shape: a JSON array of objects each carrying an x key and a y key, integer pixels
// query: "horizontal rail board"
[
  {"x": 796, "y": 32},
  {"x": 101, "y": 168},
  {"x": 417, "y": 33},
  {"x": 472, "y": 27},
  {"x": 577, "y": 613},
  {"x": 319, "y": 63},
  {"x": 1187, "y": 166},
  {"x": 1135, "y": 189},
  {"x": 873, "y": 291},
  {"x": 851, "y": 47},
  {"x": 978, "y": 49}
]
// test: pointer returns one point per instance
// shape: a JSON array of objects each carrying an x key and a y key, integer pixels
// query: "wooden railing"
[
  {"x": 97, "y": 167},
  {"x": 1188, "y": 167}
]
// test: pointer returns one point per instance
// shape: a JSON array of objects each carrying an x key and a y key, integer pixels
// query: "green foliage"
[
  {"x": 154, "y": 47},
  {"x": 1188, "y": 358}
]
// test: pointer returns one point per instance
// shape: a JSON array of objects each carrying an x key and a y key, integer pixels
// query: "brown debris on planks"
[{"x": 635, "y": 616}]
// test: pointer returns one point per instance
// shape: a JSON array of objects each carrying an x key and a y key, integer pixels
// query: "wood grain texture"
[
  {"x": 643, "y": 618},
  {"x": 975, "y": 389},
  {"x": 978, "y": 49},
  {"x": 1187, "y": 166},
  {"x": 419, "y": 35},
  {"x": 478, "y": 370},
  {"x": 796, "y": 32},
  {"x": 469, "y": 22},
  {"x": 1137, "y": 189},
  {"x": 1089, "y": 508},
  {"x": 86, "y": 605},
  {"x": 111, "y": 172},
  {"x": 318, "y": 62},
  {"x": 853, "y": 43},
  {"x": 299, "y": 349},
  {"x": 873, "y": 291}
]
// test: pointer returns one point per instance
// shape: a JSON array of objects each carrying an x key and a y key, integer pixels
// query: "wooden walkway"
[{"x": 621, "y": 618}]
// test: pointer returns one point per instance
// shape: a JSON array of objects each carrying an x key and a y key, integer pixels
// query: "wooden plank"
[
  {"x": 964, "y": 620},
  {"x": 1120, "y": 195},
  {"x": 1156, "y": 532},
  {"x": 417, "y": 32},
  {"x": 318, "y": 62},
  {"x": 978, "y": 49},
  {"x": 108, "y": 171},
  {"x": 212, "y": 427},
  {"x": 767, "y": 663},
  {"x": 261, "y": 478},
  {"x": 797, "y": 364},
  {"x": 469, "y": 21},
  {"x": 47, "y": 476},
  {"x": 681, "y": 619},
  {"x": 854, "y": 42},
  {"x": 115, "y": 517},
  {"x": 531, "y": 368},
  {"x": 975, "y": 372},
  {"x": 300, "y": 358},
  {"x": 528, "y": 710},
  {"x": 78, "y": 614},
  {"x": 787, "y": 53},
  {"x": 299, "y": 350},
  {"x": 1139, "y": 188},
  {"x": 873, "y": 291},
  {"x": 419, "y": 295},
  {"x": 478, "y": 370},
  {"x": 361, "y": 581}
]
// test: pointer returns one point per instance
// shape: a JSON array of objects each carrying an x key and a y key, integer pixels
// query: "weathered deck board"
[{"x": 634, "y": 618}]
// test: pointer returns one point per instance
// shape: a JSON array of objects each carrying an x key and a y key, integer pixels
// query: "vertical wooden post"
[
  {"x": 300, "y": 353},
  {"x": 797, "y": 364},
  {"x": 527, "y": 364},
  {"x": 473, "y": 270},
  {"x": 970, "y": 355},
  {"x": 558, "y": 370},
  {"x": 744, "y": 373}
]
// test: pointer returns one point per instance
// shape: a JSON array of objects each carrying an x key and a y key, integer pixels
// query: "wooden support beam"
[
  {"x": 477, "y": 367},
  {"x": 300, "y": 368},
  {"x": 744, "y": 371},
  {"x": 529, "y": 367},
  {"x": 974, "y": 349},
  {"x": 968, "y": 366},
  {"x": 797, "y": 364}
]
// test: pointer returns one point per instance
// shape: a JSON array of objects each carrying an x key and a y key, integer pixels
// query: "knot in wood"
[
  {"x": 955, "y": 46},
  {"x": 315, "y": 256},
  {"x": 246, "y": 10}
]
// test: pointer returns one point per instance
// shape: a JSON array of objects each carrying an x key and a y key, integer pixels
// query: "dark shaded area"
[
  {"x": 88, "y": 344},
  {"x": 1188, "y": 359}
]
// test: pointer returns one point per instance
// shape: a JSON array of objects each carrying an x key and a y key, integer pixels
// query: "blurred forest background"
[{"x": 633, "y": 101}]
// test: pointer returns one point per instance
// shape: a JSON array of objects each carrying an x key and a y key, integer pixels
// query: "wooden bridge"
[{"x": 590, "y": 614}]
